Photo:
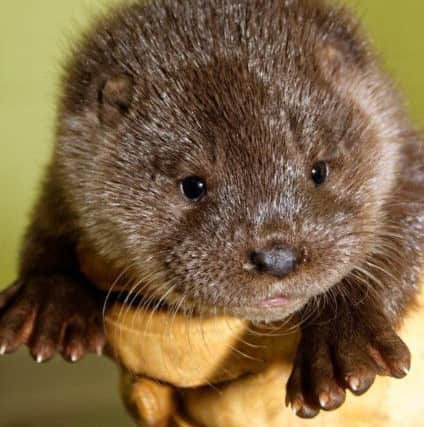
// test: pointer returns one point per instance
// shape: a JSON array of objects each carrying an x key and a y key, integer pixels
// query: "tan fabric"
[
  {"x": 257, "y": 400},
  {"x": 193, "y": 352}
]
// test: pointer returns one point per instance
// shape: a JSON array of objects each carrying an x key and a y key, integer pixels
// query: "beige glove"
[{"x": 221, "y": 372}]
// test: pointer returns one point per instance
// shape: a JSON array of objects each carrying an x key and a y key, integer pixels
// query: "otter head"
[{"x": 229, "y": 158}]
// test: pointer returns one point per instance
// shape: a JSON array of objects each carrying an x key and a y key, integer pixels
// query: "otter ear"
[
  {"x": 114, "y": 98},
  {"x": 331, "y": 61},
  {"x": 337, "y": 59}
]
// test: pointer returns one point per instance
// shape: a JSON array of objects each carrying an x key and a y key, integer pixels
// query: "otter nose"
[{"x": 279, "y": 261}]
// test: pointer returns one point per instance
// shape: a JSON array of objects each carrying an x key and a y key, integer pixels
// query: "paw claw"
[
  {"x": 74, "y": 352},
  {"x": 296, "y": 406},
  {"x": 358, "y": 384},
  {"x": 354, "y": 383},
  {"x": 332, "y": 399},
  {"x": 43, "y": 353},
  {"x": 400, "y": 371},
  {"x": 391, "y": 354},
  {"x": 99, "y": 351},
  {"x": 307, "y": 412},
  {"x": 3, "y": 348},
  {"x": 324, "y": 400},
  {"x": 39, "y": 358}
]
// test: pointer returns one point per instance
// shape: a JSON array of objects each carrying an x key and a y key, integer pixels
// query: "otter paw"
[
  {"x": 327, "y": 364},
  {"x": 50, "y": 315}
]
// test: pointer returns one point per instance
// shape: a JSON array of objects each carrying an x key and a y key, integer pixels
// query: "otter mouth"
[
  {"x": 274, "y": 306},
  {"x": 271, "y": 310}
]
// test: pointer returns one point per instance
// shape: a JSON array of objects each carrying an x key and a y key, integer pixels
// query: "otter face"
[
  {"x": 228, "y": 182},
  {"x": 271, "y": 210}
]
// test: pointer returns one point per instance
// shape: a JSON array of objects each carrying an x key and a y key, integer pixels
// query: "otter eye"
[
  {"x": 319, "y": 173},
  {"x": 194, "y": 188}
]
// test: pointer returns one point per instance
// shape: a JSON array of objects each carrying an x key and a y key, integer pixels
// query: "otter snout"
[{"x": 278, "y": 261}]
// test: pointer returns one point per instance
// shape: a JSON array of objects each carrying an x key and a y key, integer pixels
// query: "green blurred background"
[{"x": 34, "y": 35}]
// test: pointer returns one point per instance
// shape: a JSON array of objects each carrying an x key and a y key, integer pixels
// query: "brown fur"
[{"x": 248, "y": 95}]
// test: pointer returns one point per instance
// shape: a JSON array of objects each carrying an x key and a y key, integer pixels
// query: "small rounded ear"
[
  {"x": 331, "y": 61},
  {"x": 337, "y": 59},
  {"x": 114, "y": 98}
]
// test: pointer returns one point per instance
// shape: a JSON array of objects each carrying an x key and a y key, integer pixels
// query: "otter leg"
[
  {"x": 342, "y": 352},
  {"x": 51, "y": 307},
  {"x": 51, "y": 314}
]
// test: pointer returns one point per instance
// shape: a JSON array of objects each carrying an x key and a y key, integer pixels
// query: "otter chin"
[{"x": 270, "y": 310}]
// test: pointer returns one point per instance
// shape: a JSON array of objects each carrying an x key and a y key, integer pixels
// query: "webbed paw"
[
  {"x": 53, "y": 314},
  {"x": 340, "y": 355}
]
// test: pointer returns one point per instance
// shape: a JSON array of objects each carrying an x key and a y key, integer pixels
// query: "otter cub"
[{"x": 241, "y": 157}]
